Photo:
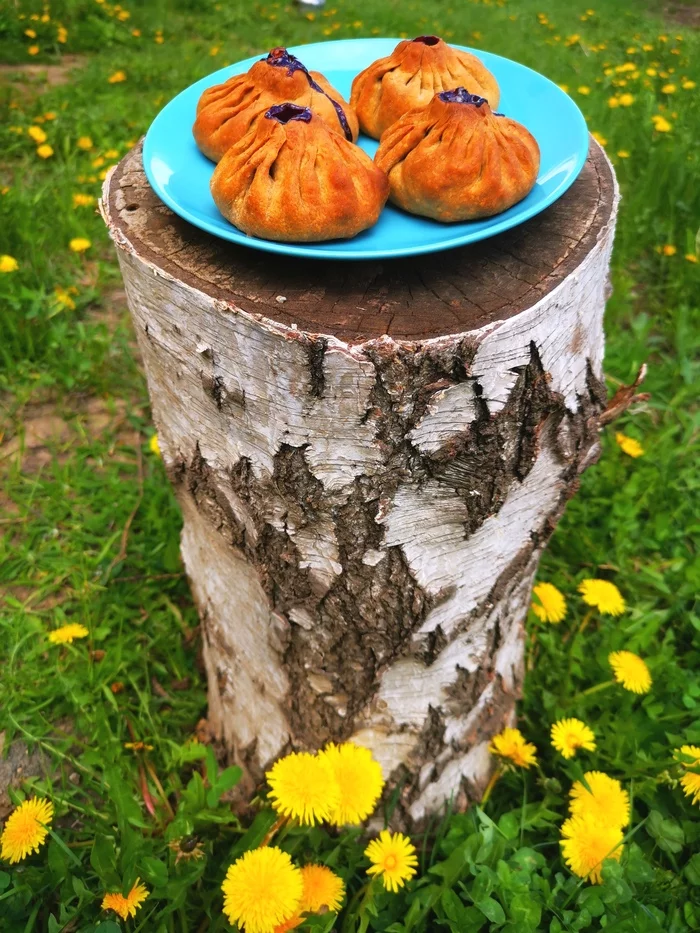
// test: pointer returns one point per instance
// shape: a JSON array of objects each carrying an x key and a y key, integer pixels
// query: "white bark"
[{"x": 269, "y": 399}]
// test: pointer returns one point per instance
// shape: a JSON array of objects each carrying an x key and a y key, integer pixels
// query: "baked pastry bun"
[
  {"x": 410, "y": 77},
  {"x": 226, "y": 111},
  {"x": 293, "y": 179},
  {"x": 457, "y": 160}
]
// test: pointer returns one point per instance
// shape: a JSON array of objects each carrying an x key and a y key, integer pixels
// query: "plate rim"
[{"x": 317, "y": 250}]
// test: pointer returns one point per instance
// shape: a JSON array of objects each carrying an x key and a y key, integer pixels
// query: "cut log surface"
[{"x": 370, "y": 458}]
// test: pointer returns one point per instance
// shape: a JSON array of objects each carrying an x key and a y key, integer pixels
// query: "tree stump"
[{"x": 370, "y": 458}]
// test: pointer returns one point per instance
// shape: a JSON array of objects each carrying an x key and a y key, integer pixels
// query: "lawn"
[{"x": 91, "y": 527}]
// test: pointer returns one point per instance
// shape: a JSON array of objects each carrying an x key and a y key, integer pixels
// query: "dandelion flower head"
[
  {"x": 127, "y": 906},
  {"x": 629, "y": 445},
  {"x": 586, "y": 842},
  {"x": 8, "y": 263},
  {"x": 26, "y": 829},
  {"x": 630, "y": 671},
  {"x": 393, "y": 856},
  {"x": 607, "y": 801},
  {"x": 67, "y": 633},
  {"x": 568, "y": 735},
  {"x": 690, "y": 782},
  {"x": 323, "y": 890},
  {"x": 304, "y": 786},
  {"x": 359, "y": 779},
  {"x": 262, "y": 890},
  {"x": 602, "y": 595},
  {"x": 551, "y": 606},
  {"x": 511, "y": 745}
]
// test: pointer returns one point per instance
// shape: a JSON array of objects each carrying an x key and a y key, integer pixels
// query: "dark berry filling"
[
  {"x": 285, "y": 113},
  {"x": 461, "y": 96},
  {"x": 281, "y": 58},
  {"x": 427, "y": 40}
]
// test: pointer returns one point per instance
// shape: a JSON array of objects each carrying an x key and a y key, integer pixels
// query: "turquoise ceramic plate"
[{"x": 180, "y": 174}]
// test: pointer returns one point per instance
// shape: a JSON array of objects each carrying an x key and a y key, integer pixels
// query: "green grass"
[{"x": 91, "y": 531}]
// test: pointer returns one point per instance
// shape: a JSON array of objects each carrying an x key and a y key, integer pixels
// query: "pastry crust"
[
  {"x": 227, "y": 111},
  {"x": 410, "y": 77},
  {"x": 291, "y": 179},
  {"x": 457, "y": 160}
]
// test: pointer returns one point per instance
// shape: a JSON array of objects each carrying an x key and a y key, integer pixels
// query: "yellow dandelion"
[
  {"x": 607, "y": 801},
  {"x": 127, "y": 906},
  {"x": 690, "y": 782},
  {"x": 63, "y": 298},
  {"x": 45, "y": 151},
  {"x": 37, "y": 134},
  {"x": 79, "y": 244},
  {"x": 98, "y": 162},
  {"x": 626, "y": 100},
  {"x": 138, "y": 746},
  {"x": 510, "y": 745},
  {"x": 83, "y": 200},
  {"x": 111, "y": 154},
  {"x": 154, "y": 446},
  {"x": 629, "y": 445},
  {"x": 564, "y": 88},
  {"x": 584, "y": 90},
  {"x": 568, "y": 735},
  {"x": 303, "y": 786},
  {"x": 323, "y": 890},
  {"x": 117, "y": 77},
  {"x": 623, "y": 154},
  {"x": 67, "y": 633},
  {"x": 613, "y": 102},
  {"x": 668, "y": 89},
  {"x": 30, "y": 33},
  {"x": 84, "y": 142},
  {"x": 159, "y": 40},
  {"x": 393, "y": 856},
  {"x": 359, "y": 779},
  {"x": 123, "y": 15},
  {"x": 33, "y": 50},
  {"x": 691, "y": 257},
  {"x": 630, "y": 671},
  {"x": 552, "y": 604},
  {"x": 26, "y": 829},
  {"x": 8, "y": 263},
  {"x": 262, "y": 889},
  {"x": 586, "y": 843},
  {"x": 214, "y": 50},
  {"x": 652, "y": 72},
  {"x": 602, "y": 595},
  {"x": 49, "y": 115},
  {"x": 668, "y": 249},
  {"x": 688, "y": 85},
  {"x": 661, "y": 124},
  {"x": 136, "y": 33},
  {"x": 599, "y": 138},
  {"x": 62, "y": 35}
]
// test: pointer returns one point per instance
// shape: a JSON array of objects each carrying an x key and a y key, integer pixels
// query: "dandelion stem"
[
  {"x": 490, "y": 786},
  {"x": 275, "y": 829},
  {"x": 591, "y": 690}
]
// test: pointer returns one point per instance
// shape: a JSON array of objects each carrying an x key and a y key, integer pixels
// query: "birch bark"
[{"x": 368, "y": 477}]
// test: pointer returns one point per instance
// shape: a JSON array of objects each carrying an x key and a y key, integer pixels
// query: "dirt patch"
[
  {"x": 16, "y": 767},
  {"x": 45, "y": 434},
  {"x": 37, "y": 78},
  {"x": 685, "y": 14}
]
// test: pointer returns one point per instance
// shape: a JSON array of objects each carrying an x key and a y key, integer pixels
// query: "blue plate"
[{"x": 180, "y": 174}]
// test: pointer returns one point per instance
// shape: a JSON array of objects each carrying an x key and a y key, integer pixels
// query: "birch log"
[{"x": 370, "y": 458}]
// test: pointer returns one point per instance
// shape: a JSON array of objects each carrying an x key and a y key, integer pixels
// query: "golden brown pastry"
[
  {"x": 226, "y": 111},
  {"x": 410, "y": 77},
  {"x": 290, "y": 178},
  {"x": 457, "y": 160}
]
